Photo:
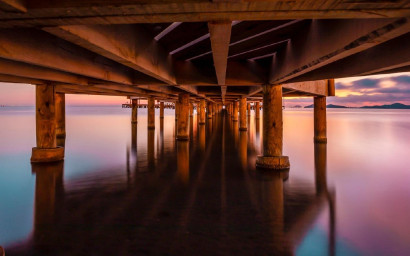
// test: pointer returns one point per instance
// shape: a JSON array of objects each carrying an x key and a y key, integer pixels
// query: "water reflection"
[
  {"x": 243, "y": 148},
  {"x": 151, "y": 149},
  {"x": 201, "y": 137},
  {"x": 49, "y": 192},
  {"x": 203, "y": 198},
  {"x": 183, "y": 161},
  {"x": 320, "y": 152}
]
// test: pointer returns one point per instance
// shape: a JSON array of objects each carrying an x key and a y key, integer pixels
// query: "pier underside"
[
  {"x": 210, "y": 53},
  {"x": 213, "y": 50}
]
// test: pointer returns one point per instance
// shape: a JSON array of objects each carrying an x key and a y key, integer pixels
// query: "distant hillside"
[
  {"x": 329, "y": 106},
  {"x": 391, "y": 106}
]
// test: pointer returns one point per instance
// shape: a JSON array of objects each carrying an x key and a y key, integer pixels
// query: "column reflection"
[
  {"x": 201, "y": 137},
  {"x": 183, "y": 161},
  {"x": 49, "y": 190},
  {"x": 322, "y": 190},
  {"x": 243, "y": 148},
  {"x": 273, "y": 201},
  {"x": 151, "y": 149}
]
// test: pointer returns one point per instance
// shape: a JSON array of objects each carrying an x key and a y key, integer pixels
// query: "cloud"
[
  {"x": 372, "y": 90},
  {"x": 402, "y": 79},
  {"x": 367, "y": 83}
]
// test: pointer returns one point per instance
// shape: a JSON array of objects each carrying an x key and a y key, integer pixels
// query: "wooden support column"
[
  {"x": 151, "y": 113},
  {"x": 249, "y": 108},
  {"x": 176, "y": 110},
  {"x": 134, "y": 115},
  {"x": 161, "y": 109},
  {"x": 46, "y": 150},
  {"x": 202, "y": 112},
  {"x": 320, "y": 119},
  {"x": 257, "y": 110},
  {"x": 209, "y": 110},
  {"x": 235, "y": 111},
  {"x": 242, "y": 114},
  {"x": 183, "y": 117},
  {"x": 272, "y": 157},
  {"x": 191, "y": 109},
  {"x": 60, "y": 115}
]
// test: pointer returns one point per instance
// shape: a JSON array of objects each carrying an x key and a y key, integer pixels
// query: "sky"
[
  {"x": 352, "y": 92},
  {"x": 366, "y": 91}
]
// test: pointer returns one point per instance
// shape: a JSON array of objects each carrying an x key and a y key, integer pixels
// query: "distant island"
[
  {"x": 329, "y": 106},
  {"x": 390, "y": 106}
]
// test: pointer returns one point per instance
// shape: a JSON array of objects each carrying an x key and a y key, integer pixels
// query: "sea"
[{"x": 126, "y": 190}]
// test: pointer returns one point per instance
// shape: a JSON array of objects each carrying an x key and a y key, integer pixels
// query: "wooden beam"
[
  {"x": 130, "y": 89},
  {"x": 316, "y": 88},
  {"x": 223, "y": 93},
  {"x": 20, "y": 69},
  {"x": 75, "y": 89},
  {"x": 41, "y": 49},
  {"x": 327, "y": 41},
  {"x": 17, "y": 6},
  {"x": 220, "y": 36},
  {"x": 159, "y": 88},
  {"x": 19, "y": 80},
  {"x": 106, "y": 90},
  {"x": 129, "y": 45},
  {"x": 311, "y": 88},
  {"x": 75, "y": 12}
]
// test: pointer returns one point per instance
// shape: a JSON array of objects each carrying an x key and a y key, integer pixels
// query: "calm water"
[{"x": 125, "y": 190}]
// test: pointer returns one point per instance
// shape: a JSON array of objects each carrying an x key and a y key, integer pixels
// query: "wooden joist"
[
  {"x": 327, "y": 41},
  {"x": 388, "y": 57},
  {"x": 220, "y": 35},
  {"x": 129, "y": 45},
  {"x": 43, "y": 50},
  {"x": 17, "y": 6}
]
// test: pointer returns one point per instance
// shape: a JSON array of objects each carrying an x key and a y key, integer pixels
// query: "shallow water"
[{"x": 125, "y": 190}]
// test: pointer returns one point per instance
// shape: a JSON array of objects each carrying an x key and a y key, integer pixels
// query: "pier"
[{"x": 214, "y": 56}]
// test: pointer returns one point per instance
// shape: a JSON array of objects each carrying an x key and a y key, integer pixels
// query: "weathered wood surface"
[
  {"x": 272, "y": 157},
  {"x": 242, "y": 114},
  {"x": 319, "y": 104},
  {"x": 134, "y": 114},
  {"x": 183, "y": 117},
  {"x": 219, "y": 51},
  {"x": 74, "y": 12},
  {"x": 60, "y": 115},
  {"x": 151, "y": 113},
  {"x": 45, "y": 117}
]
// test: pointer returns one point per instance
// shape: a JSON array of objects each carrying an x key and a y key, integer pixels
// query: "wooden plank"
[
  {"x": 327, "y": 41},
  {"x": 220, "y": 35},
  {"x": 129, "y": 45},
  {"x": 17, "y": 6},
  {"x": 41, "y": 49}
]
